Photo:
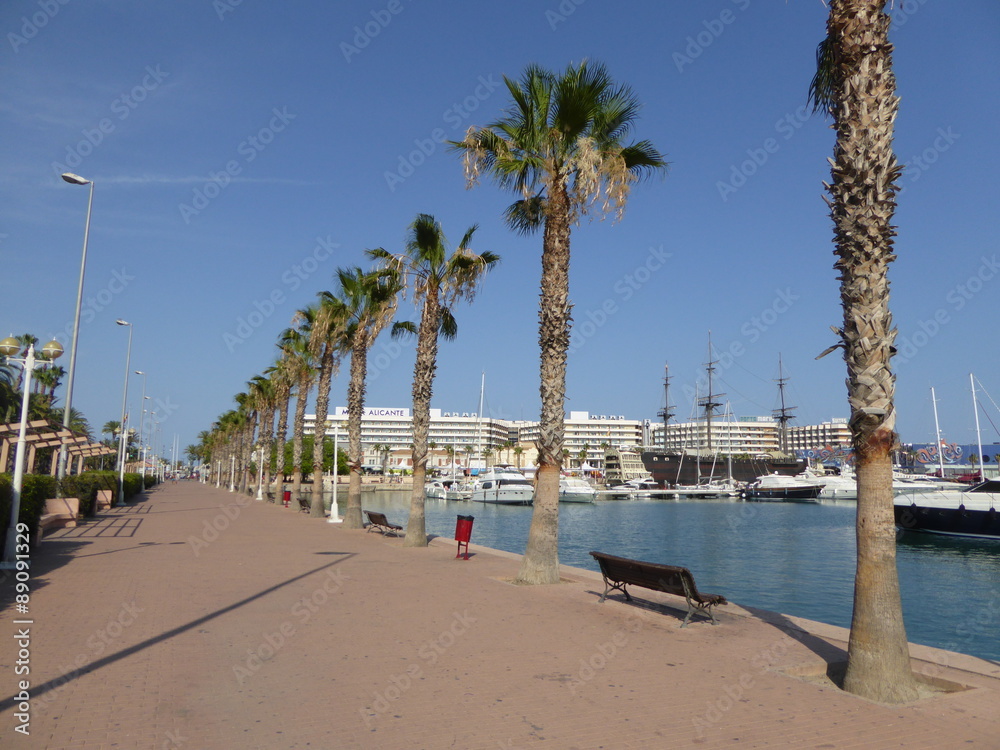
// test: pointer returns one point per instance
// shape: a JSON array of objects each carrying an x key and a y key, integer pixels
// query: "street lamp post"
[
  {"x": 142, "y": 415},
  {"x": 124, "y": 438},
  {"x": 9, "y": 347},
  {"x": 75, "y": 179}
]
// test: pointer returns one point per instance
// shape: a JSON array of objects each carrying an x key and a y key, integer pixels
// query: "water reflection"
[{"x": 794, "y": 558}]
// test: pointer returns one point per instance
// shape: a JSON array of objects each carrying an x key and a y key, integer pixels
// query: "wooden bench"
[
  {"x": 620, "y": 572},
  {"x": 305, "y": 506},
  {"x": 379, "y": 522}
]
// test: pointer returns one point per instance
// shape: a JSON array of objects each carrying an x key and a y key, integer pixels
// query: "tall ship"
[{"x": 686, "y": 467}]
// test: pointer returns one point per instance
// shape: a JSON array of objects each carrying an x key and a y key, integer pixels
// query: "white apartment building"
[
  {"x": 834, "y": 433},
  {"x": 589, "y": 433},
  {"x": 751, "y": 435}
]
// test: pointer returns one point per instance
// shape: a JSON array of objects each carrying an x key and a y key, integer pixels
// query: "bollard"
[
  {"x": 463, "y": 531},
  {"x": 286, "y": 498}
]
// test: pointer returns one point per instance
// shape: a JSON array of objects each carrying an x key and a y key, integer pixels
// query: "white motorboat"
[
  {"x": 971, "y": 512},
  {"x": 781, "y": 487},
  {"x": 576, "y": 490},
  {"x": 435, "y": 490},
  {"x": 503, "y": 485}
]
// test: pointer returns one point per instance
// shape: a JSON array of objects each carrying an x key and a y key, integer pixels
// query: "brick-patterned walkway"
[{"x": 198, "y": 619}]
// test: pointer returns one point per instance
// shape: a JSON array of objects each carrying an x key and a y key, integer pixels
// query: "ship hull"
[{"x": 670, "y": 469}]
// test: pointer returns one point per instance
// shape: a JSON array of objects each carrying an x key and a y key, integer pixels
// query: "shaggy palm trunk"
[
  {"x": 247, "y": 459},
  {"x": 281, "y": 437},
  {"x": 266, "y": 441},
  {"x": 541, "y": 555},
  {"x": 863, "y": 201},
  {"x": 423, "y": 383},
  {"x": 355, "y": 408},
  {"x": 298, "y": 435},
  {"x": 319, "y": 432}
]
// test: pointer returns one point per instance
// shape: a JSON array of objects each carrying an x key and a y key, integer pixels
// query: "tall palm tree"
[
  {"x": 561, "y": 147},
  {"x": 367, "y": 302},
  {"x": 325, "y": 343},
  {"x": 856, "y": 85},
  {"x": 438, "y": 280},
  {"x": 279, "y": 372},
  {"x": 299, "y": 361}
]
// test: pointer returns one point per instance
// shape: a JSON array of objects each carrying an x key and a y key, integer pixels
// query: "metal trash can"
[
  {"x": 463, "y": 532},
  {"x": 286, "y": 498}
]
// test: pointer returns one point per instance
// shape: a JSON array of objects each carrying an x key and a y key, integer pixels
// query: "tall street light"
[
  {"x": 75, "y": 179},
  {"x": 142, "y": 414},
  {"x": 124, "y": 433},
  {"x": 9, "y": 347}
]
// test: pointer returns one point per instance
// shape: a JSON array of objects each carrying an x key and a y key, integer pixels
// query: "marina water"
[{"x": 793, "y": 558}]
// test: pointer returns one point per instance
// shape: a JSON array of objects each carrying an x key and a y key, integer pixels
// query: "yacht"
[
  {"x": 575, "y": 490},
  {"x": 781, "y": 487},
  {"x": 971, "y": 512},
  {"x": 503, "y": 485}
]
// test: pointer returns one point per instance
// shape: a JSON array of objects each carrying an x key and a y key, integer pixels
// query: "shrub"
[{"x": 35, "y": 490}]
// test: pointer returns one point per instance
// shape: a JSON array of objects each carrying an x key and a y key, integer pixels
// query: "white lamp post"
[
  {"x": 124, "y": 438},
  {"x": 75, "y": 179},
  {"x": 142, "y": 416},
  {"x": 334, "y": 513},
  {"x": 9, "y": 347}
]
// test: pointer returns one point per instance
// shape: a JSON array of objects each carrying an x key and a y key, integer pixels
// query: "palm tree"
[
  {"x": 438, "y": 281},
  {"x": 325, "y": 342},
  {"x": 367, "y": 302},
  {"x": 281, "y": 375},
  {"x": 298, "y": 360},
  {"x": 856, "y": 85},
  {"x": 561, "y": 147}
]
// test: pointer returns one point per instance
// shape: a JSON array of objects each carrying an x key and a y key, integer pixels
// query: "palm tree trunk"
[
  {"x": 284, "y": 402},
  {"x": 541, "y": 556},
  {"x": 423, "y": 383},
  {"x": 319, "y": 432},
  {"x": 355, "y": 409},
  {"x": 266, "y": 441},
  {"x": 863, "y": 202},
  {"x": 298, "y": 434}
]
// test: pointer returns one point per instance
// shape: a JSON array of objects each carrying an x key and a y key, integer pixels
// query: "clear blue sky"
[{"x": 243, "y": 150}]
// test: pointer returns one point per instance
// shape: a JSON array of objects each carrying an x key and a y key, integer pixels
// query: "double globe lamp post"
[{"x": 9, "y": 347}]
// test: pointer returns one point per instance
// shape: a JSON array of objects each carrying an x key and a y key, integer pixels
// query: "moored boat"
[
  {"x": 782, "y": 488},
  {"x": 971, "y": 512},
  {"x": 576, "y": 490},
  {"x": 503, "y": 485}
]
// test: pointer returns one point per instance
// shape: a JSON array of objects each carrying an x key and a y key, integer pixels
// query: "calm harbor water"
[{"x": 793, "y": 558}]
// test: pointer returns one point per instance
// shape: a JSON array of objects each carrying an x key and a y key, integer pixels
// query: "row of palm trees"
[
  {"x": 560, "y": 148},
  {"x": 345, "y": 323}
]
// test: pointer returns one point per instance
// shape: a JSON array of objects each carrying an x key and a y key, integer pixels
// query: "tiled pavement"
[{"x": 198, "y": 619}]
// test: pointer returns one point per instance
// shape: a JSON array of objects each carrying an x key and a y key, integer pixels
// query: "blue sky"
[{"x": 242, "y": 151}]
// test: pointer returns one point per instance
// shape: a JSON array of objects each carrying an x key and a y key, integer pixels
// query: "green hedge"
[
  {"x": 35, "y": 490},
  {"x": 86, "y": 485}
]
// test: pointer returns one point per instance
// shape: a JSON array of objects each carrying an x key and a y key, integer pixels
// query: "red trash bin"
[
  {"x": 463, "y": 531},
  {"x": 286, "y": 498}
]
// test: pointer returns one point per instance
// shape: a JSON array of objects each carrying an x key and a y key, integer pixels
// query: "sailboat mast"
[
  {"x": 479, "y": 419},
  {"x": 709, "y": 404},
  {"x": 666, "y": 413},
  {"x": 937, "y": 431},
  {"x": 784, "y": 414},
  {"x": 979, "y": 438}
]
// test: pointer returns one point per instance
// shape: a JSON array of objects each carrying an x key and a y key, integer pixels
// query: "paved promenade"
[{"x": 198, "y": 619}]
